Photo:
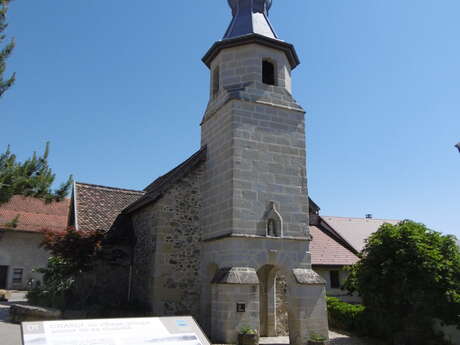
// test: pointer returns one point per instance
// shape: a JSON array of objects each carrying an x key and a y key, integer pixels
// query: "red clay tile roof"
[
  {"x": 99, "y": 206},
  {"x": 356, "y": 230},
  {"x": 326, "y": 251},
  {"x": 34, "y": 214}
]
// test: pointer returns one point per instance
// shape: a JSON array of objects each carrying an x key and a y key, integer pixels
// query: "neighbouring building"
[
  {"x": 330, "y": 253},
  {"x": 22, "y": 220},
  {"x": 210, "y": 237},
  {"x": 355, "y": 231}
]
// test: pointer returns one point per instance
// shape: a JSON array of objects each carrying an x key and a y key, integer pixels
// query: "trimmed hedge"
[
  {"x": 362, "y": 321},
  {"x": 344, "y": 316},
  {"x": 358, "y": 319}
]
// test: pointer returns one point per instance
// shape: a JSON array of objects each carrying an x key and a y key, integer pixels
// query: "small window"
[
  {"x": 215, "y": 81},
  {"x": 268, "y": 72},
  {"x": 335, "y": 279},
  {"x": 17, "y": 275}
]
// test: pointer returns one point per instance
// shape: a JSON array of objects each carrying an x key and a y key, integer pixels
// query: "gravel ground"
[{"x": 335, "y": 339}]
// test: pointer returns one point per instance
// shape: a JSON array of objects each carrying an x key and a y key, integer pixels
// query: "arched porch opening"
[{"x": 273, "y": 301}]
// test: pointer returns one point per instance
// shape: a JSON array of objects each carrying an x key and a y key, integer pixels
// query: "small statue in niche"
[
  {"x": 271, "y": 228},
  {"x": 274, "y": 222}
]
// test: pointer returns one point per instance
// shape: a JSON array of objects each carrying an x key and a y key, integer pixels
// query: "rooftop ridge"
[
  {"x": 157, "y": 187},
  {"x": 110, "y": 188},
  {"x": 362, "y": 218}
]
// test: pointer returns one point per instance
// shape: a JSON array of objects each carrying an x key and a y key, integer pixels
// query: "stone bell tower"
[{"x": 254, "y": 191}]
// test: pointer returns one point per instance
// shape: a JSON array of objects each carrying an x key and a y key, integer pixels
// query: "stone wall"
[
  {"x": 107, "y": 285},
  {"x": 167, "y": 250}
]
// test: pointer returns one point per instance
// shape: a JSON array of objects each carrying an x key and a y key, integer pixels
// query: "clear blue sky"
[{"x": 119, "y": 89}]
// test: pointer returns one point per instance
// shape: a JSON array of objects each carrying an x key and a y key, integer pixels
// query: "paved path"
[
  {"x": 10, "y": 334},
  {"x": 335, "y": 339}
]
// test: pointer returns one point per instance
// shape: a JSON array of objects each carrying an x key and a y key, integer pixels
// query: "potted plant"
[
  {"x": 317, "y": 339},
  {"x": 248, "y": 336}
]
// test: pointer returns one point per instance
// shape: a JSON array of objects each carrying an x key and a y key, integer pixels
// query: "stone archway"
[{"x": 243, "y": 295}]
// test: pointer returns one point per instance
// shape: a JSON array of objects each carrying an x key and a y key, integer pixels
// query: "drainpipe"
[{"x": 130, "y": 274}]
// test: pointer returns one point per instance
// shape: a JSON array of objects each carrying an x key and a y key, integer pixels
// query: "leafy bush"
[
  {"x": 358, "y": 319},
  {"x": 317, "y": 337},
  {"x": 74, "y": 252},
  {"x": 408, "y": 276},
  {"x": 344, "y": 316},
  {"x": 248, "y": 330},
  {"x": 58, "y": 280}
]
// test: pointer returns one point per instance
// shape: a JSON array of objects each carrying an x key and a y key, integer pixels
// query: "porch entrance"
[{"x": 273, "y": 302}]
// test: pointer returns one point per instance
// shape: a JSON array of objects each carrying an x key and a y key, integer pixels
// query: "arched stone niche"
[{"x": 274, "y": 222}]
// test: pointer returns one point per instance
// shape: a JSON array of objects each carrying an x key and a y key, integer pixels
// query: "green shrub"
[
  {"x": 358, "y": 319},
  {"x": 344, "y": 316},
  {"x": 363, "y": 321},
  {"x": 317, "y": 337},
  {"x": 247, "y": 330},
  {"x": 56, "y": 290}
]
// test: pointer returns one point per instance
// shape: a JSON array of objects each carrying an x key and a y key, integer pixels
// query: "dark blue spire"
[
  {"x": 250, "y": 17},
  {"x": 250, "y": 25}
]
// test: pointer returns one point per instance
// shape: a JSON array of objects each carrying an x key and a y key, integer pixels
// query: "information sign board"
[{"x": 130, "y": 331}]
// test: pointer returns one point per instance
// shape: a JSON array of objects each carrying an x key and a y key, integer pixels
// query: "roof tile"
[
  {"x": 35, "y": 214},
  {"x": 99, "y": 206},
  {"x": 356, "y": 230},
  {"x": 326, "y": 251}
]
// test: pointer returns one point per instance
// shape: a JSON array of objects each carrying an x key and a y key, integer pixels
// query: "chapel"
[{"x": 210, "y": 237}]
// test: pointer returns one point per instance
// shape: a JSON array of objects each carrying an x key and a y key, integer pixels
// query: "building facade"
[{"x": 22, "y": 220}]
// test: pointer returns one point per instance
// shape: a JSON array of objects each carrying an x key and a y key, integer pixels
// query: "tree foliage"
[
  {"x": 73, "y": 253},
  {"x": 33, "y": 178},
  {"x": 411, "y": 275},
  {"x": 78, "y": 249},
  {"x": 6, "y": 51}
]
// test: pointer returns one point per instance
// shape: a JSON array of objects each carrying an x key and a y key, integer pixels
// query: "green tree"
[
  {"x": 408, "y": 276},
  {"x": 75, "y": 256},
  {"x": 78, "y": 249},
  {"x": 5, "y": 52},
  {"x": 72, "y": 254},
  {"x": 33, "y": 178}
]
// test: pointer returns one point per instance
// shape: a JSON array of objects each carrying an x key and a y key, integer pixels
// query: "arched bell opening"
[{"x": 269, "y": 73}]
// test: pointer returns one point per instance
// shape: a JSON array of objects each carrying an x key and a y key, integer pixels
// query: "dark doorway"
[{"x": 3, "y": 276}]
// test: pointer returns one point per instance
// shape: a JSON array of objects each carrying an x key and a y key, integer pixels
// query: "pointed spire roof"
[
  {"x": 249, "y": 25},
  {"x": 250, "y": 17}
]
